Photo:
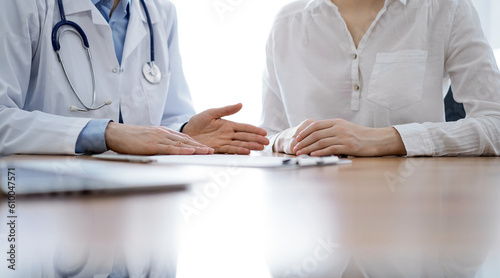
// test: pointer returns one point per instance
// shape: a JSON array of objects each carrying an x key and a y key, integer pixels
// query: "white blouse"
[{"x": 397, "y": 76}]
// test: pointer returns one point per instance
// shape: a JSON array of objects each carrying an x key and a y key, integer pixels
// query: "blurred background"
[{"x": 223, "y": 48}]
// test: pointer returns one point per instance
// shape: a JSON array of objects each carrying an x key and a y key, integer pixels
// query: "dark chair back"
[{"x": 454, "y": 111}]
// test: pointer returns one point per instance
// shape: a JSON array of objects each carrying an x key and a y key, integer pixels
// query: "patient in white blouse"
[{"x": 367, "y": 78}]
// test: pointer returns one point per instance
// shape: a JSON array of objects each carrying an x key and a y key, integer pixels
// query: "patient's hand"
[
  {"x": 341, "y": 137},
  {"x": 286, "y": 141}
]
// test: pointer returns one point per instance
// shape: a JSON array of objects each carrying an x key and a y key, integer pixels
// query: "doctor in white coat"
[{"x": 140, "y": 117}]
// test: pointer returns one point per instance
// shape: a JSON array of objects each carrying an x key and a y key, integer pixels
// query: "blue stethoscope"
[{"x": 150, "y": 71}]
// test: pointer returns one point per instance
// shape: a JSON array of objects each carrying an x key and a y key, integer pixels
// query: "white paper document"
[{"x": 230, "y": 160}]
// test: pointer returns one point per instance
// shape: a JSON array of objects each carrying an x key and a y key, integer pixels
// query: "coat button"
[
  {"x": 115, "y": 70},
  {"x": 355, "y": 56},
  {"x": 356, "y": 87}
]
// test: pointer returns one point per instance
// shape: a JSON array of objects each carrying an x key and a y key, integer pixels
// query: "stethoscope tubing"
[
  {"x": 153, "y": 78},
  {"x": 151, "y": 33}
]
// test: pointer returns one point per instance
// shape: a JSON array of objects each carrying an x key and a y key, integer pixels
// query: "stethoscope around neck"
[{"x": 150, "y": 70}]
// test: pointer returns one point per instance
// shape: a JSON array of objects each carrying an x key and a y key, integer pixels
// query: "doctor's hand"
[
  {"x": 150, "y": 140},
  {"x": 341, "y": 137},
  {"x": 224, "y": 136}
]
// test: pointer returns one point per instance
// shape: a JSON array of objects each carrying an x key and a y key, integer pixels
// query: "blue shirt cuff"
[{"x": 91, "y": 139}]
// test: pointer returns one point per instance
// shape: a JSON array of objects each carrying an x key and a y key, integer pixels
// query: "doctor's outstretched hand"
[
  {"x": 224, "y": 136},
  {"x": 151, "y": 140}
]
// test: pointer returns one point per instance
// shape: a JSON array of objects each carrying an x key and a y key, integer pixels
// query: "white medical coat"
[{"x": 35, "y": 96}]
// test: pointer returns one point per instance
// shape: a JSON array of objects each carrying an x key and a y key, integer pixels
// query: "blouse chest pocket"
[{"x": 397, "y": 78}]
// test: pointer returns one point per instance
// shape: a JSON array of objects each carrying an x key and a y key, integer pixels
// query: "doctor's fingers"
[
  {"x": 182, "y": 143},
  {"x": 250, "y": 137},
  {"x": 238, "y": 147},
  {"x": 184, "y": 140},
  {"x": 217, "y": 113},
  {"x": 232, "y": 149},
  {"x": 174, "y": 150},
  {"x": 238, "y": 127},
  {"x": 187, "y": 143},
  {"x": 253, "y": 146},
  {"x": 180, "y": 137},
  {"x": 178, "y": 147}
]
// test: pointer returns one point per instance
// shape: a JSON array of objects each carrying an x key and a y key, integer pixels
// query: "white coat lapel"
[
  {"x": 78, "y": 6},
  {"x": 84, "y": 11},
  {"x": 138, "y": 29}
]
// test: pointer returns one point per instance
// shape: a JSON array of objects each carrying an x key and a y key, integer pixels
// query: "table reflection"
[
  {"x": 126, "y": 235},
  {"x": 379, "y": 217},
  {"x": 405, "y": 221}
]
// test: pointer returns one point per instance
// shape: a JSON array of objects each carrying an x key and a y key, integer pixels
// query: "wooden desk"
[{"x": 379, "y": 217}]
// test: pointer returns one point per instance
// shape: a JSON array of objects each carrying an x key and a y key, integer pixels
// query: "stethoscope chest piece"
[{"x": 151, "y": 72}]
